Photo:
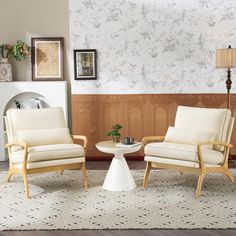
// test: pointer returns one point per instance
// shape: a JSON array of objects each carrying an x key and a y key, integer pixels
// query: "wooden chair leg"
[
  {"x": 147, "y": 171},
  {"x": 26, "y": 184},
  {"x": 62, "y": 172},
  {"x": 199, "y": 184},
  {"x": 84, "y": 172},
  {"x": 9, "y": 175},
  {"x": 229, "y": 174}
]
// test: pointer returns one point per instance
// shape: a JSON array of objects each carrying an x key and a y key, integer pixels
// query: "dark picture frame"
[
  {"x": 85, "y": 64},
  {"x": 47, "y": 58}
]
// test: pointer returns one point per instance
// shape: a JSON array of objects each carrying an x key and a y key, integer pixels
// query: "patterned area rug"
[{"x": 59, "y": 202}]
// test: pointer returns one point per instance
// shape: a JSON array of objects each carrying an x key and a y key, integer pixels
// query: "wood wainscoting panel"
[
  {"x": 135, "y": 118},
  {"x": 140, "y": 114},
  {"x": 110, "y": 112},
  {"x": 84, "y": 119}
]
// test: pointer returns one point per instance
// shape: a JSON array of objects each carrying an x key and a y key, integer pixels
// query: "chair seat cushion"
[
  {"x": 183, "y": 152},
  {"x": 59, "y": 162},
  {"x": 49, "y": 152},
  {"x": 167, "y": 161}
]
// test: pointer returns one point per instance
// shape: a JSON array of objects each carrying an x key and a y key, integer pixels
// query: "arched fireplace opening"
[{"x": 29, "y": 95}]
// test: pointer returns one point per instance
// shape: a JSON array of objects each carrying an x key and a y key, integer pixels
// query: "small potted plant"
[
  {"x": 114, "y": 132},
  {"x": 18, "y": 51}
]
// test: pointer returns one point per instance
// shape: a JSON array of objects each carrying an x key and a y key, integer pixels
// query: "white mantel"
[{"x": 54, "y": 92}]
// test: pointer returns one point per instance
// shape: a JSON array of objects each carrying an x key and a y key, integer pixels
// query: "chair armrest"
[
  {"x": 82, "y": 137},
  {"x": 152, "y": 139},
  {"x": 204, "y": 143},
  {"x": 215, "y": 143},
  {"x": 19, "y": 144}
]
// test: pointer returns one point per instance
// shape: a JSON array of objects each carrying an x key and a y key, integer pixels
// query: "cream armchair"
[
  {"x": 199, "y": 142},
  {"x": 39, "y": 141}
]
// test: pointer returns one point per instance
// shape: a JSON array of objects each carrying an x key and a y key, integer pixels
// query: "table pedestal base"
[{"x": 119, "y": 177}]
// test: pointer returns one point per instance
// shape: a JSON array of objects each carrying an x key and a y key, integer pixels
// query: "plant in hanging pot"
[
  {"x": 114, "y": 132},
  {"x": 18, "y": 51}
]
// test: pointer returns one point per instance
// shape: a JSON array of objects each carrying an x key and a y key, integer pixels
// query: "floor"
[
  {"x": 132, "y": 165},
  {"x": 123, "y": 233}
]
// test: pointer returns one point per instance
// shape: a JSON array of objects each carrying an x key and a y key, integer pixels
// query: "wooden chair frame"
[
  {"x": 24, "y": 171},
  {"x": 203, "y": 170}
]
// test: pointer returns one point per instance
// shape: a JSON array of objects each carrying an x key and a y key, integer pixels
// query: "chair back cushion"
[
  {"x": 186, "y": 136},
  {"x": 39, "y": 137},
  {"x": 230, "y": 130},
  {"x": 37, "y": 122},
  {"x": 204, "y": 120}
]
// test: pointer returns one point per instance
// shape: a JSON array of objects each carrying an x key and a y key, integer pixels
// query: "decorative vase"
[
  {"x": 116, "y": 139},
  {"x": 5, "y": 70}
]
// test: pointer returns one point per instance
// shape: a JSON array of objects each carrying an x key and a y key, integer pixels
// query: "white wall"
[
  {"x": 144, "y": 46},
  {"x": 23, "y": 19},
  {"x": 153, "y": 46}
]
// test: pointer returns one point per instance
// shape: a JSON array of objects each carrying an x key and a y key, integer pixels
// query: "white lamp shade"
[{"x": 226, "y": 58}]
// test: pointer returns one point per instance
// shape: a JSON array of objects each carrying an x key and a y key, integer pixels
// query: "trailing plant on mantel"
[{"x": 18, "y": 51}]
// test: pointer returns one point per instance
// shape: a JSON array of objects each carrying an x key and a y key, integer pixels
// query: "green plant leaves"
[
  {"x": 115, "y": 130},
  {"x": 19, "y": 51}
]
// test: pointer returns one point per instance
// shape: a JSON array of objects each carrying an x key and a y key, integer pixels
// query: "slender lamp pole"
[
  {"x": 226, "y": 58},
  {"x": 228, "y": 85}
]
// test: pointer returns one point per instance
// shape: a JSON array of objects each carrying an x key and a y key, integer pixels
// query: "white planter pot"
[{"x": 5, "y": 70}]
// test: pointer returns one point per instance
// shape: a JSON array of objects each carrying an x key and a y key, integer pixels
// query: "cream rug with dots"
[{"x": 59, "y": 202}]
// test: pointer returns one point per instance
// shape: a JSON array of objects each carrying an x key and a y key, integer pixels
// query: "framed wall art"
[
  {"x": 47, "y": 58},
  {"x": 85, "y": 64}
]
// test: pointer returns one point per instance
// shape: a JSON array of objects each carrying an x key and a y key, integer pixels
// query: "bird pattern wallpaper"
[{"x": 150, "y": 46}]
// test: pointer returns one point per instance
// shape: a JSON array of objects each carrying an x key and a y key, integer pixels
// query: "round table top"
[{"x": 114, "y": 148}]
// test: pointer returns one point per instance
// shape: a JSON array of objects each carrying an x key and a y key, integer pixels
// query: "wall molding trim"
[{"x": 140, "y": 114}]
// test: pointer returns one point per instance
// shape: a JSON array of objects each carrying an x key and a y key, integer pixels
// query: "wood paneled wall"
[{"x": 141, "y": 115}]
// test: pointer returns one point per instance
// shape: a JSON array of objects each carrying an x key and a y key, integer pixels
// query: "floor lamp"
[{"x": 226, "y": 58}]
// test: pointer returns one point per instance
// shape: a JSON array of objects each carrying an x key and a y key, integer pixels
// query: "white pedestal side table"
[{"x": 119, "y": 177}]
